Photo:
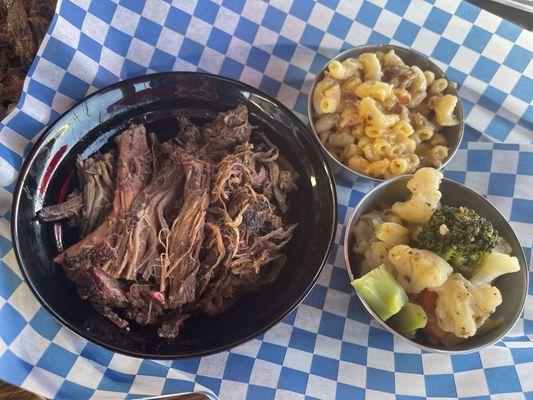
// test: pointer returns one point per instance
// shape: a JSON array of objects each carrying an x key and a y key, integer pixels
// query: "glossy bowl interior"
[
  {"x": 156, "y": 100},
  {"x": 454, "y": 134},
  {"x": 513, "y": 287}
]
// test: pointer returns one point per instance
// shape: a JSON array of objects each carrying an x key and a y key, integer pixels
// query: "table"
[{"x": 328, "y": 347}]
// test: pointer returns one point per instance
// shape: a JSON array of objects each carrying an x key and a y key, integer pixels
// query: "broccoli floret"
[
  {"x": 381, "y": 291},
  {"x": 460, "y": 236},
  {"x": 410, "y": 318}
]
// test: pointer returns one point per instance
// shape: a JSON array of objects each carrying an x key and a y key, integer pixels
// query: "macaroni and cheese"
[{"x": 381, "y": 117}]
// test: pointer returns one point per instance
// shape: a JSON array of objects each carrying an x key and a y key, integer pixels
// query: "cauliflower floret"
[
  {"x": 462, "y": 307},
  {"x": 417, "y": 269},
  {"x": 425, "y": 197},
  {"x": 375, "y": 255},
  {"x": 493, "y": 266},
  {"x": 365, "y": 230},
  {"x": 393, "y": 233}
]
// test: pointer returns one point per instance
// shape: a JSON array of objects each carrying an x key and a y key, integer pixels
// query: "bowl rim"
[
  {"x": 347, "y": 250},
  {"x": 46, "y": 131},
  {"x": 379, "y": 47}
]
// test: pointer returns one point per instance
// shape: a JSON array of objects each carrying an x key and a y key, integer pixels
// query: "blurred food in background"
[{"x": 23, "y": 24}]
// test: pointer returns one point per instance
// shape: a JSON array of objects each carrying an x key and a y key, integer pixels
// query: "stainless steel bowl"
[
  {"x": 454, "y": 134},
  {"x": 513, "y": 287}
]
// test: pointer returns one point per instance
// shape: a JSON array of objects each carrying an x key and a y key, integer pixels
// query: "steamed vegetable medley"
[{"x": 431, "y": 268}]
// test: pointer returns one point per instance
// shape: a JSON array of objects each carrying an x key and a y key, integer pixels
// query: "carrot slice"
[
  {"x": 428, "y": 300},
  {"x": 434, "y": 331}
]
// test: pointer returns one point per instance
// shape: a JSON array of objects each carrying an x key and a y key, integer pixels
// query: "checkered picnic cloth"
[{"x": 329, "y": 346}]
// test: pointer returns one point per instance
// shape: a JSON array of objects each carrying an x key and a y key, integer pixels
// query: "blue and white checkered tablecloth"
[{"x": 328, "y": 347}]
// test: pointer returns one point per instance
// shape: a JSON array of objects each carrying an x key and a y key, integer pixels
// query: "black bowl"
[{"x": 155, "y": 100}]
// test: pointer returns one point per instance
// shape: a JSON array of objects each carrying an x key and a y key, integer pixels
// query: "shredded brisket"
[{"x": 175, "y": 228}]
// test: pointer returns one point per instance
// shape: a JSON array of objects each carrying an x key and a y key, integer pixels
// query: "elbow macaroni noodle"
[{"x": 381, "y": 117}]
